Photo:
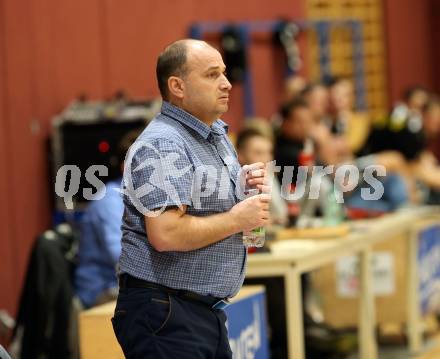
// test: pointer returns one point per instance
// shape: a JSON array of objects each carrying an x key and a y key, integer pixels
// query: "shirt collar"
[{"x": 218, "y": 127}]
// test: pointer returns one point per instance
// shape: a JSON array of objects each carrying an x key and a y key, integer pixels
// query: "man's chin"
[{"x": 223, "y": 108}]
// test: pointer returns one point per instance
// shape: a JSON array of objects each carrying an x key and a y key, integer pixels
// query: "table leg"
[
  {"x": 295, "y": 331},
  {"x": 414, "y": 331},
  {"x": 367, "y": 340}
]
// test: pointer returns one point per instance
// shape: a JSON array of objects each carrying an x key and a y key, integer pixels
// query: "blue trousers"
[{"x": 150, "y": 323}]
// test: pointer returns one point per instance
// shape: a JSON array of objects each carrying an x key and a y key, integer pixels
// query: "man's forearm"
[{"x": 186, "y": 232}]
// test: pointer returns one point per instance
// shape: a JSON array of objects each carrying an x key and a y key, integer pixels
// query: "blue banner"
[
  {"x": 247, "y": 327},
  {"x": 429, "y": 269}
]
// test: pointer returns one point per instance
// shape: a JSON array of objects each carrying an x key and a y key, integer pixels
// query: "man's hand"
[
  {"x": 252, "y": 212},
  {"x": 256, "y": 177}
]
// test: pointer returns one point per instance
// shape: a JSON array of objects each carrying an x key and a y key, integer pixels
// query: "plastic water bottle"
[
  {"x": 333, "y": 211},
  {"x": 256, "y": 236}
]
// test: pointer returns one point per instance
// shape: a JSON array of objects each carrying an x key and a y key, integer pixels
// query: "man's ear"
[{"x": 176, "y": 86}]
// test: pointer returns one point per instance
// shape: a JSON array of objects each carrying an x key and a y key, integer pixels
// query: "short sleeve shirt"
[{"x": 179, "y": 160}]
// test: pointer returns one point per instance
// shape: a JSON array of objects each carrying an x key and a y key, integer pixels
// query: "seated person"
[
  {"x": 255, "y": 145},
  {"x": 408, "y": 111},
  {"x": 350, "y": 130},
  {"x": 344, "y": 120},
  {"x": 316, "y": 95},
  {"x": 100, "y": 242},
  {"x": 294, "y": 131},
  {"x": 303, "y": 142},
  {"x": 411, "y": 142},
  {"x": 404, "y": 124},
  {"x": 423, "y": 163},
  {"x": 327, "y": 147},
  {"x": 293, "y": 87}
]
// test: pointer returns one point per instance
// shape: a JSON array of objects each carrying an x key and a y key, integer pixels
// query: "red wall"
[
  {"x": 408, "y": 36},
  {"x": 435, "y": 46},
  {"x": 435, "y": 41},
  {"x": 5, "y": 218},
  {"x": 51, "y": 51}
]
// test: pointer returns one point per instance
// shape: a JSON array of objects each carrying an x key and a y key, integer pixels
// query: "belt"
[{"x": 128, "y": 281}]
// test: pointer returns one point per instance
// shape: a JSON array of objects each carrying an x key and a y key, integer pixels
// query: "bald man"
[{"x": 182, "y": 248}]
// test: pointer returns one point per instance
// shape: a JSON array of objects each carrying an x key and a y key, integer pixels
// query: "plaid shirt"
[{"x": 161, "y": 168}]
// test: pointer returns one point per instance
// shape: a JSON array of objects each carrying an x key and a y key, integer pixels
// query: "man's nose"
[{"x": 225, "y": 84}]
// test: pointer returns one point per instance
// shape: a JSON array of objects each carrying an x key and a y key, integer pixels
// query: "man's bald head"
[{"x": 173, "y": 62}]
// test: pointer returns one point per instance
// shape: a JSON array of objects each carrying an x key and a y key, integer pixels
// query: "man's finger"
[
  {"x": 264, "y": 188},
  {"x": 264, "y": 197},
  {"x": 258, "y": 173},
  {"x": 253, "y": 166},
  {"x": 256, "y": 181}
]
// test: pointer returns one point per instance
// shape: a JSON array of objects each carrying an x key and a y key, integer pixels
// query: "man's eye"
[{"x": 213, "y": 75}]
